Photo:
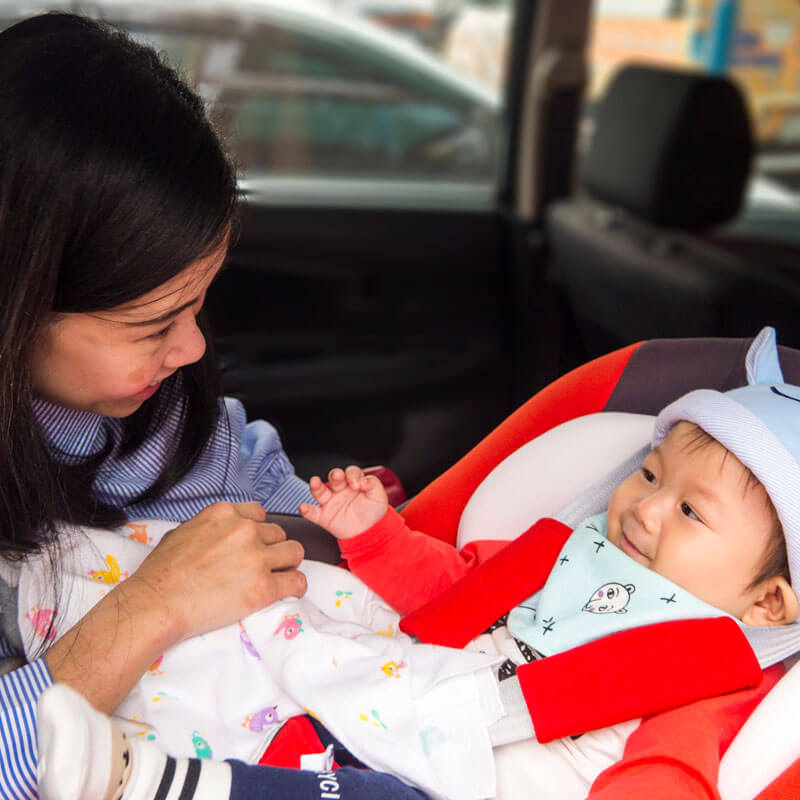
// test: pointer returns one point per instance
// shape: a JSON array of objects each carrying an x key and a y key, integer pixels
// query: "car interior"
[
  {"x": 418, "y": 324},
  {"x": 426, "y": 320}
]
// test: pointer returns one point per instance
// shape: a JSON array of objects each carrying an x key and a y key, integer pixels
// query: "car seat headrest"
[{"x": 671, "y": 147}]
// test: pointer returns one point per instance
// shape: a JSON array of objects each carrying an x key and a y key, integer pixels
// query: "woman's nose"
[{"x": 187, "y": 347}]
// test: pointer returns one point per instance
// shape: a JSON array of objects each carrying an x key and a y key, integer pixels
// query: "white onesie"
[{"x": 418, "y": 711}]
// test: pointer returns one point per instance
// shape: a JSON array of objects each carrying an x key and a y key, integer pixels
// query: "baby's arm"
[
  {"x": 407, "y": 568},
  {"x": 349, "y": 504}
]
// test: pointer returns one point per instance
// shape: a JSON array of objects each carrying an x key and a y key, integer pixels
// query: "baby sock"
[{"x": 83, "y": 755}]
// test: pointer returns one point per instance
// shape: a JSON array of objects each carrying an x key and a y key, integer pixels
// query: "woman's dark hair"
[{"x": 112, "y": 181}]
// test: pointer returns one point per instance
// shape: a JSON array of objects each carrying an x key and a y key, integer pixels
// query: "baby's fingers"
[
  {"x": 337, "y": 479},
  {"x": 353, "y": 476},
  {"x": 310, "y": 512},
  {"x": 319, "y": 491},
  {"x": 373, "y": 487}
]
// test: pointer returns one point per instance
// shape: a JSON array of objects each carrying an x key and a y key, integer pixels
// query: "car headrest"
[{"x": 672, "y": 147}]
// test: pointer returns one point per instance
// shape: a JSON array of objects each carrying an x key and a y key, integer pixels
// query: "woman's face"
[{"x": 110, "y": 362}]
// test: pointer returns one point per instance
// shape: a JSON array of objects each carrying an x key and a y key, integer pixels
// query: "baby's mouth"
[{"x": 629, "y": 548}]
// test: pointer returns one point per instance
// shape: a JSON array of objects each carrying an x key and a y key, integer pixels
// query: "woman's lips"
[{"x": 147, "y": 392}]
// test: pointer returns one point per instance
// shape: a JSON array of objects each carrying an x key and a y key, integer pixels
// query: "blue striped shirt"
[{"x": 243, "y": 461}]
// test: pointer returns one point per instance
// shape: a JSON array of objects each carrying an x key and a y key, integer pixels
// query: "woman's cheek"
[{"x": 139, "y": 375}]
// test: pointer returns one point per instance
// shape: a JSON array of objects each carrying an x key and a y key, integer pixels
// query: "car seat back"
[{"x": 631, "y": 257}]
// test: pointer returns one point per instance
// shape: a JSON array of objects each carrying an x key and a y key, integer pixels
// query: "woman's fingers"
[
  {"x": 251, "y": 510},
  {"x": 285, "y": 554},
  {"x": 270, "y": 533},
  {"x": 222, "y": 565},
  {"x": 290, "y": 583}
]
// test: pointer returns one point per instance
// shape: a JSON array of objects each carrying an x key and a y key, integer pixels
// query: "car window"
[
  {"x": 755, "y": 42},
  {"x": 353, "y": 97}
]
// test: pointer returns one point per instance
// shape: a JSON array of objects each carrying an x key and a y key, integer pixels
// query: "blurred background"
[{"x": 377, "y": 305}]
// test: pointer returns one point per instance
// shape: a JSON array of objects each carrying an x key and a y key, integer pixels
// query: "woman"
[{"x": 117, "y": 204}]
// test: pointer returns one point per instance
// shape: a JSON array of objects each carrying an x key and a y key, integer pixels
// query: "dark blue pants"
[
  {"x": 350, "y": 782},
  {"x": 253, "y": 782}
]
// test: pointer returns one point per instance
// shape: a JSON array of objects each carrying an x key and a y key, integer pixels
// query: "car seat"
[
  {"x": 633, "y": 255},
  {"x": 598, "y": 414}
]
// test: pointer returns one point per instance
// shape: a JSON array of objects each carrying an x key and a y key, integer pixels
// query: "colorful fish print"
[
  {"x": 291, "y": 626},
  {"x": 42, "y": 621},
  {"x": 201, "y": 746},
  {"x": 392, "y": 669},
  {"x": 138, "y": 532},
  {"x": 261, "y": 720},
  {"x": 110, "y": 575},
  {"x": 247, "y": 643},
  {"x": 154, "y": 668}
]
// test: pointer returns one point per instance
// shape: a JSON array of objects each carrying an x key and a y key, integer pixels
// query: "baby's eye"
[
  {"x": 648, "y": 476},
  {"x": 688, "y": 511}
]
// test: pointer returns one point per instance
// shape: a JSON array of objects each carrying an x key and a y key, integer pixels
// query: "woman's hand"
[
  {"x": 349, "y": 503},
  {"x": 218, "y": 567}
]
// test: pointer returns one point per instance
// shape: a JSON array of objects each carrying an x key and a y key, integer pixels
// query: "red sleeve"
[
  {"x": 675, "y": 755},
  {"x": 408, "y": 568}
]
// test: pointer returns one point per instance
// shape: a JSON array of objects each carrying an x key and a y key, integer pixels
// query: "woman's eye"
[
  {"x": 688, "y": 511},
  {"x": 648, "y": 476},
  {"x": 162, "y": 333}
]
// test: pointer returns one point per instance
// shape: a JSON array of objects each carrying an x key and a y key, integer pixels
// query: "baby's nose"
[{"x": 649, "y": 511}]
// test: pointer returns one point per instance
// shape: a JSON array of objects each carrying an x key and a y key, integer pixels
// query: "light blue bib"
[{"x": 595, "y": 589}]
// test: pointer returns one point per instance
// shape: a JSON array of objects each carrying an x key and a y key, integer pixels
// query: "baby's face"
[{"x": 689, "y": 515}]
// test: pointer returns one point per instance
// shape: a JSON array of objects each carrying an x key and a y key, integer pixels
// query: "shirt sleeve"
[
  {"x": 265, "y": 464},
  {"x": 383, "y": 555},
  {"x": 19, "y": 693},
  {"x": 675, "y": 755}
]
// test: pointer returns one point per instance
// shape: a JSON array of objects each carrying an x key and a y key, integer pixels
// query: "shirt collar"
[{"x": 70, "y": 432}]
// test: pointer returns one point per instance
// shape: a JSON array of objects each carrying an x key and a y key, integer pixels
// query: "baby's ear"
[{"x": 775, "y": 604}]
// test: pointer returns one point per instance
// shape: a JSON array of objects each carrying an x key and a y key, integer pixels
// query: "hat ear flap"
[{"x": 762, "y": 363}]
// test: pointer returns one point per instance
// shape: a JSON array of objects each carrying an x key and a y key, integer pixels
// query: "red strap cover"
[
  {"x": 636, "y": 672},
  {"x": 481, "y": 597}
]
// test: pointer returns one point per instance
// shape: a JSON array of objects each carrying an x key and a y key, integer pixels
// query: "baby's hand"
[{"x": 349, "y": 504}]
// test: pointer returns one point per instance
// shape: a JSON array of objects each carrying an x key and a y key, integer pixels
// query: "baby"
[
  {"x": 693, "y": 514},
  {"x": 709, "y": 526}
]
